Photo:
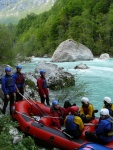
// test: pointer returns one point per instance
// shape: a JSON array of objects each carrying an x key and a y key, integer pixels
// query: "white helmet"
[
  {"x": 104, "y": 111},
  {"x": 107, "y": 99},
  {"x": 85, "y": 100}
]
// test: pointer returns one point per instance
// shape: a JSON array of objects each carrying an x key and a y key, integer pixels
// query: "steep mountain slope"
[{"x": 11, "y": 11}]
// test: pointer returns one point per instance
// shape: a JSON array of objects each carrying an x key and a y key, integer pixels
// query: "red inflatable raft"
[{"x": 23, "y": 111}]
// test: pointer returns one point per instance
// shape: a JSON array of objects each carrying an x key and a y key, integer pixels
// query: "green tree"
[{"x": 6, "y": 45}]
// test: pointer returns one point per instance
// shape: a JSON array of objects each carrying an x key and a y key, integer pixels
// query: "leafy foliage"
[
  {"x": 6, "y": 141},
  {"x": 7, "y": 42}
]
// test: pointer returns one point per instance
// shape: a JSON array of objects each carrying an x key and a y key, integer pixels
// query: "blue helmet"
[
  {"x": 18, "y": 67},
  {"x": 7, "y": 69},
  {"x": 55, "y": 102},
  {"x": 42, "y": 71}
]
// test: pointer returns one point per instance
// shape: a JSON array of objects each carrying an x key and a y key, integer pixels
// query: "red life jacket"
[{"x": 20, "y": 78}]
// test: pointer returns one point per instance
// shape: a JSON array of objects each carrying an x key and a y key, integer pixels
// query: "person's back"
[
  {"x": 58, "y": 113},
  {"x": 108, "y": 105},
  {"x": 86, "y": 110},
  {"x": 104, "y": 131},
  {"x": 73, "y": 123}
]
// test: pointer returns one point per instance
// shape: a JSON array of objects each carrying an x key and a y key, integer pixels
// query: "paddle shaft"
[
  {"x": 31, "y": 103},
  {"x": 90, "y": 124},
  {"x": 44, "y": 113},
  {"x": 65, "y": 133}
]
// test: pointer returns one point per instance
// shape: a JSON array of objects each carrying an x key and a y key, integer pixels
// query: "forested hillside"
[{"x": 89, "y": 22}]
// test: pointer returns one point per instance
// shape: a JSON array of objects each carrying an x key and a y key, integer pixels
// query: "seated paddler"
[
  {"x": 58, "y": 114},
  {"x": 86, "y": 110},
  {"x": 73, "y": 123},
  {"x": 103, "y": 134}
]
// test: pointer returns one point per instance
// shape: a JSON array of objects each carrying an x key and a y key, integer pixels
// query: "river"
[{"x": 99, "y": 77}]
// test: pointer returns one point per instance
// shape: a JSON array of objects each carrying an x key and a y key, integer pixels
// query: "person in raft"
[
  {"x": 103, "y": 134},
  {"x": 58, "y": 114},
  {"x": 43, "y": 88},
  {"x": 20, "y": 83},
  {"x": 108, "y": 105},
  {"x": 73, "y": 123},
  {"x": 86, "y": 110},
  {"x": 9, "y": 89}
]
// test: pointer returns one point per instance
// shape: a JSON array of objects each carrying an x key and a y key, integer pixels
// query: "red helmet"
[{"x": 73, "y": 109}]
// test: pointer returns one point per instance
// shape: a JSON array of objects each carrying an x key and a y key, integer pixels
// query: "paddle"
[
  {"x": 65, "y": 133},
  {"x": 32, "y": 104},
  {"x": 44, "y": 113},
  {"x": 41, "y": 110},
  {"x": 50, "y": 117},
  {"x": 89, "y": 124}
]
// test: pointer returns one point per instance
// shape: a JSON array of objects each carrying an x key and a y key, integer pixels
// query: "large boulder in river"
[
  {"x": 70, "y": 51},
  {"x": 56, "y": 77},
  {"x": 104, "y": 56}
]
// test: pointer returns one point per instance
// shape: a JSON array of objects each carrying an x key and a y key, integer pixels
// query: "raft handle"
[{"x": 51, "y": 139}]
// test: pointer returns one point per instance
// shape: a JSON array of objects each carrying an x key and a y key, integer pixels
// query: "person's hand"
[
  {"x": 7, "y": 96},
  {"x": 17, "y": 90},
  {"x": 44, "y": 96},
  {"x": 14, "y": 94}
]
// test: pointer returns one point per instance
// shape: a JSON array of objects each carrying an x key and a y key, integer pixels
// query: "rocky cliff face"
[
  {"x": 24, "y": 3},
  {"x": 19, "y": 8}
]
